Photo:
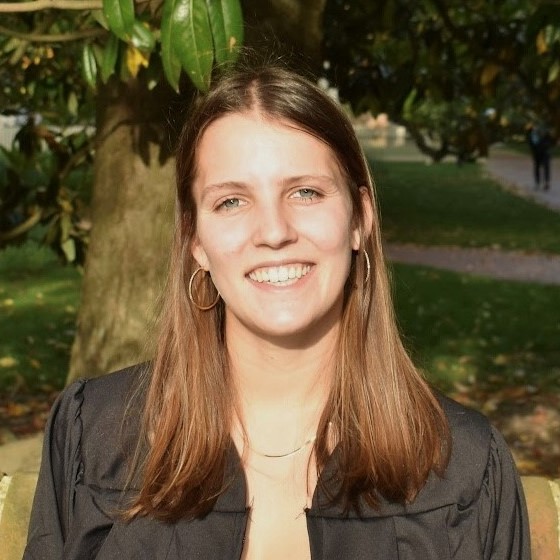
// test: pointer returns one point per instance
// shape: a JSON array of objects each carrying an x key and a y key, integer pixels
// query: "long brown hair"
[{"x": 390, "y": 428}]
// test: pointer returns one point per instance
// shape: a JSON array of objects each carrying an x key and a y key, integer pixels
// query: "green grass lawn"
[
  {"x": 447, "y": 204},
  {"x": 466, "y": 329},
  {"x": 38, "y": 301}
]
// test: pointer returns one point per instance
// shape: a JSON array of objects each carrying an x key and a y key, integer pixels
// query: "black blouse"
[{"x": 475, "y": 511}]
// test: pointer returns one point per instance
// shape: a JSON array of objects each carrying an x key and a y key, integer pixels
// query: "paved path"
[
  {"x": 511, "y": 265},
  {"x": 23, "y": 455},
  {"x": 516, "y": 171}
]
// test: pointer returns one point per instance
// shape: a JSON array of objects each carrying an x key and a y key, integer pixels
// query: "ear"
[
  {"x": 363, "y": 229},
  {"x": 199, "y": 254}
]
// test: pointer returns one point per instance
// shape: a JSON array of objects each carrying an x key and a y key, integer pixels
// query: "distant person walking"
[{"x": 541, "y": 142}]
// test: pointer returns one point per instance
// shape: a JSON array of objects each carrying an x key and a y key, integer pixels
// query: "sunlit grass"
[
  {"x": 447, "y": 204},
  {"x": 38, "y": 301},
  {"x": 467, "y": 329}
]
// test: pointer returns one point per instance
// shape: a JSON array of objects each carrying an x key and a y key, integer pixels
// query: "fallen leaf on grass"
[
  {"x": 8, "y": 361},
  {"x": 15, "y": 409},
  {"x": 501, "y": 360}
]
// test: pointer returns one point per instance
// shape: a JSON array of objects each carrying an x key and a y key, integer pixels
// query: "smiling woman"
[
  {"x": 275, "y": 201},
  {"x": 281, "y": 416}
]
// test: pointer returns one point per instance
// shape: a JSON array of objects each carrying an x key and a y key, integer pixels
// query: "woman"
[{"x": 281, "y": 416}]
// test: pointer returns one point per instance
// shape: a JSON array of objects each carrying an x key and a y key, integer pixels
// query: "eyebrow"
[
  {"x": 207, "y": 190},
  {"x": 305, "y": 178}
]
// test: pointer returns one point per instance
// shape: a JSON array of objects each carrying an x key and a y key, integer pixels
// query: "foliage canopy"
[{"x": 459, "y": 75}]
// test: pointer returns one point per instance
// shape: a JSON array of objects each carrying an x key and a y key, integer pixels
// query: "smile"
[{"x": 280, "y": 274}]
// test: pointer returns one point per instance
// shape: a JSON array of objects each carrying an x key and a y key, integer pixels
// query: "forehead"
[{"x": 246, "y": 143}]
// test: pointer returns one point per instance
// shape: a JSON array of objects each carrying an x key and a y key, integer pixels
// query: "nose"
[{"x": 274, "y": 226}]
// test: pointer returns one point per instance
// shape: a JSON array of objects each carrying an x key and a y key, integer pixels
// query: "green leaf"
[
  {"x": 98, "y": 53},
  {"x": 100, "y": 18},
  {"x": 124, "y": 74},
  {"x": 120, "y": 17},
  {"x": 89, "y": 66},
  {"x": 553, "y": 72},
  {"x": 12, "y": 44},
  {"x": 65, "y": 226},
  {"x": 72, "y": 103},
  {"x": 191, "y": 39},
  {"x": 169, "y": 58},
  {"x": 109, "y": 58},
  {"x": 142, "y": 37},
  {"x": 69, "y": 250},
  {"x": 409, "y": 103},
  {"x": 226, "y": 22}
]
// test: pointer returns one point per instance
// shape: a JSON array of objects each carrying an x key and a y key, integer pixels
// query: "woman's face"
[{"x": 274, "y": 226}]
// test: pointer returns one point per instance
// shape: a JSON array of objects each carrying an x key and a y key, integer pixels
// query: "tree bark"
[
  {"x": 132, "y": 206},
  {"x": 132, "y": 212}
]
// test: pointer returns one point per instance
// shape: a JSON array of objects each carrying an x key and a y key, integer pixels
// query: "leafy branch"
[{"x": 39, "y": 5}]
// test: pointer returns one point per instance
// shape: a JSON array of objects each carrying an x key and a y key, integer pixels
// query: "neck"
[
  {"x": 281, "y": 390},
  {"x": 267, "y": 373}
]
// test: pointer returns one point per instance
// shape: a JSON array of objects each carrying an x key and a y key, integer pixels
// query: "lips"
[{"x": 279, "y": 274}]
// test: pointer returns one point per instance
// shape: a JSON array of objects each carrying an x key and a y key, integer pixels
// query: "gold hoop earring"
[
  {"x": 368, "y": 267},
  {"x": 201, "y": 307}
]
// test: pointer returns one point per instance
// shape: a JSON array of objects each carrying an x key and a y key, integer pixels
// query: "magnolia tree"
[
  {"x": 459, "y": 75},
  {"x": 141, "y": 63}
]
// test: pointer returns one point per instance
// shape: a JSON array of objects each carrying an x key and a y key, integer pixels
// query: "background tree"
[
  {"x": 145, "y": 60},
  {"x": 458, "y": 75}
]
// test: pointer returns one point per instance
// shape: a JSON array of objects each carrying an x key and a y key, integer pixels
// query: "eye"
[
  {"x": 306, "y": 193},
  {"x": 229, "y": 204}
]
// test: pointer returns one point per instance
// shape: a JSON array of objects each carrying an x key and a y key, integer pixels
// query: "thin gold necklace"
[{"x": 281, "y": 456}]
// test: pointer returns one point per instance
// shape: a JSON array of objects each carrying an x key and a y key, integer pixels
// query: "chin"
[{"x": 297, "y": 333}]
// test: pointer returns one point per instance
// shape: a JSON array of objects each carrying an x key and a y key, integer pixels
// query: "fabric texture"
[{"x": 475, "y": 511}]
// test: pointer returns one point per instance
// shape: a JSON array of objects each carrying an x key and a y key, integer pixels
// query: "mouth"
[{"x": 280, "y": 275}]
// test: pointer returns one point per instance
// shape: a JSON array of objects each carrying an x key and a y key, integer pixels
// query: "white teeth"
[
  {"x": 279, "y": 274},
  {"x": 283, "y": 274}
]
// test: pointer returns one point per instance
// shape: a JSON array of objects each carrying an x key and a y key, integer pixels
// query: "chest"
[{"x": 279, "y": 492}]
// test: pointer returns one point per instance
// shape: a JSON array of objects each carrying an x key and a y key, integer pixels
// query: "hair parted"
[{"x": 390, "y": 428}]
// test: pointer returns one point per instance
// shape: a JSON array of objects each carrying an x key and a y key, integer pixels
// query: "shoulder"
[
  {"x": 99, "y": 399},
  {"x": 470, "y": 431},
  {"x": 112, "y": 393},
  {"x": 111, "y": 408},
  {"x": 470, "y": 460},
  {"x": 471, "y": 440},
  {"x": 95, "y": 424}
]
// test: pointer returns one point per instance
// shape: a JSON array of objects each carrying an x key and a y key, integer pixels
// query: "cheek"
[
  {"x": 332, "y": 233},
  {"x": 221, "y": 240}
]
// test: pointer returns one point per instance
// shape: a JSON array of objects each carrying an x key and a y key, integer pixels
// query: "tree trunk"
[
  {"x": 132, "y": 204},
  {"x": 132, "y": 212}
]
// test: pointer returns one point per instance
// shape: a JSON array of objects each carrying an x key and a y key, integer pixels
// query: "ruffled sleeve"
[
  {"x": 503, "y": 519},
  {"x": 86, "y": 455},
  {"x": 60, "y": 471}
]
